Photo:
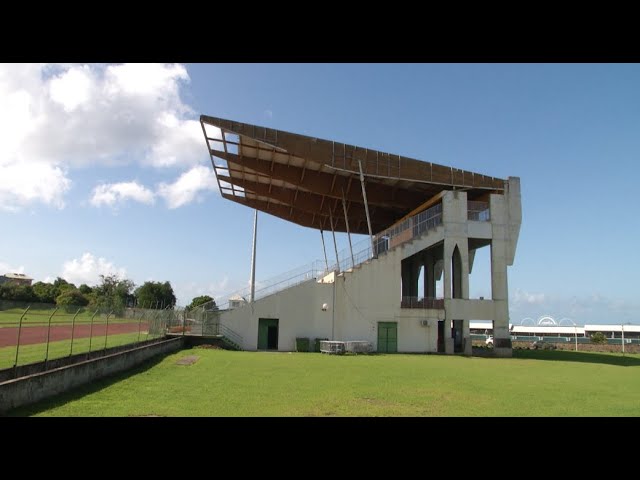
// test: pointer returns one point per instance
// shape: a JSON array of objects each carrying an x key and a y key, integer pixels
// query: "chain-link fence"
[{"x": 36, "y": 332}]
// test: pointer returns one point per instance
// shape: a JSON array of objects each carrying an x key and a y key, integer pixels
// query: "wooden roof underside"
[{"x": 304, "y": 179}]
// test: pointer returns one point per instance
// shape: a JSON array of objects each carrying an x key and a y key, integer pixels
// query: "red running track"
[{"x": 33, "y": 335}]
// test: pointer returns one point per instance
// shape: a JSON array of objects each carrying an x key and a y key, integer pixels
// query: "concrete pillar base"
[
  {"x": 467, "y": 346},
  {"x": 448, "y": 346},
  {"x": 503, "y": 352}
]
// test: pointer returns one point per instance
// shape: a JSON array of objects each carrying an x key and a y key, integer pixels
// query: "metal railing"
[
  {"x": 37, "y": 332},
  {"x": 234, "y": 337},
  {"x": 305, "y": 273},
  {"x": 407, "y": 230},
  {"x": 422, "y": 302},
  {"x": 478, "y": 211},
  {"x": 203, "y": 320}
]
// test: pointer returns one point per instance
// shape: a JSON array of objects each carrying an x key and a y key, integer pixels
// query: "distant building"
[
  {"x": 236, "y": 301},
  {"x": 17, "y": 278}
]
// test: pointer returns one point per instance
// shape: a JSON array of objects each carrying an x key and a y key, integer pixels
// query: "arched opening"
[
  {"x": 480, "y": 269},
  {"x": 456, "y": 274}
]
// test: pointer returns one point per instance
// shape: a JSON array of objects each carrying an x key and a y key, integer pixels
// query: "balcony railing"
[
  {"x": 422, "y": 302},
  {"x": 478, "y": 211},
  {"x": 409, "y": 229}
]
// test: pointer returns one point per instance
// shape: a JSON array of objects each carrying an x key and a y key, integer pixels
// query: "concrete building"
[
  {"x": 16, "y": 278},
  {"x": 423, "y": 221}
]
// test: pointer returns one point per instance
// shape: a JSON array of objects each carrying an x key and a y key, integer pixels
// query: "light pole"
[{"x": 575, "y": 330}]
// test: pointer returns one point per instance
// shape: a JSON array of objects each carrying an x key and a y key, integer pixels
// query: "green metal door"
[
  {"x": 263, "y": 332},
  {"x": 387, "y": 337}
]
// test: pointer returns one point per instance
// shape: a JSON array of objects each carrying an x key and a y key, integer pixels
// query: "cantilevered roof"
[{"x": 305, "y": 179}]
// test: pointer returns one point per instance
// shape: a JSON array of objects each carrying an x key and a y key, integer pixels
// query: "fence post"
[
  {"x": 15, "y": 363},
  {"x": 46, "y": 355},
  {"x": 106, "y": 332},
  {"x": 73, "y": 323},
  {"x": 91, "y": 331},
  {"x": 149, "y": 326},
  {"x": 139, "y": 322}
]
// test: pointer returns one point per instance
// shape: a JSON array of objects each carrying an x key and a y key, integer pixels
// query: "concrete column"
[
  {"x": 429, "y": 275},
  {"x": 448, "y": 339},
  {"x": 449, "y": 245},
  {"x": 499, "y": 286},
  {"x": 415, "y": 276},
  {"x": 463, "y": 248},
  {"x": 466, "y": 336}
]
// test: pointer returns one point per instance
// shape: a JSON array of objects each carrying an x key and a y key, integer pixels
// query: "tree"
[
  {"x": 60, "y": 285},
  {"x": 155, "y": 295},
  {"x": 598, "y": 338},
  {"x": 44, "y": 292},
  {"x": 113, "y": 293},
  {"x": 85, "y": 289},
  {"x": 18, "y": 293},
  {"x": 201, "y": 300},
  {"x": 72, "y": 297}
]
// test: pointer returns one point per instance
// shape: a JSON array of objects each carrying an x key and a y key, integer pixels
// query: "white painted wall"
[{"x": 299, "y": 310}]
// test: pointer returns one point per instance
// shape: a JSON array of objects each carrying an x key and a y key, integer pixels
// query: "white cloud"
[
  {"x": 528, "y": 297},
  {"x": 6, "y": 268},
  {"x": 177, "y": 141},
  {"x": 188, "y": 291},
  {"x": 117, "y": 193},
  {"x": 54, "y": 118},
  {"x": 24, "y": 183},
  {"x": 87, "y": 269},
  {"x": 188, "y": 186},
  {"x": 73, "y": 88}
]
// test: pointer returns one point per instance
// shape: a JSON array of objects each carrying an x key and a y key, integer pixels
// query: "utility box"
[{"x": 302, "y": 344}]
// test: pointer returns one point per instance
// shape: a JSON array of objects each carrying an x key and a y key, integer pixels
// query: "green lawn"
[
  {"x": 226, "y": 383},
  {"x": 36, "y": 353}
]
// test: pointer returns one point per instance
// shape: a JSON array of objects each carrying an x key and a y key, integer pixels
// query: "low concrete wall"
[
  {"x": 30, "y": 389},
  {"x": 39, "y": 367}
]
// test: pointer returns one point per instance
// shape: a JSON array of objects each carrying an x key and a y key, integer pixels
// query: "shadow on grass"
[
  {"x": 81, "y": 391},
  {"x": 582, "y": 357}
]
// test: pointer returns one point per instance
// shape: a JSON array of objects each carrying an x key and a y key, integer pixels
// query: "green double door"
[
  {"x": 267, "y": 334},
  {"x": 387, "y": 337}
]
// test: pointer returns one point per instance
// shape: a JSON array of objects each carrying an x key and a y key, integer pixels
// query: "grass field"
[
  {"x": 226, "y": 383},
  {"x": 36, "y": 353}
]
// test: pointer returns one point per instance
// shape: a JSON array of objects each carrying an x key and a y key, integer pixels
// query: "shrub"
[{"x": 598, "y": 338}]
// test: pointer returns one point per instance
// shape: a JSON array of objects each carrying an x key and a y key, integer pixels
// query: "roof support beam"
[
  {"x": 335, "y": 245},
  {"x": 331, "y": 184},
  {"x": 308, "y": 201},
  {"x": 306, "y": 219},
  {"x": 346, "y": 222},
  {"x": 366, "y": 209}
]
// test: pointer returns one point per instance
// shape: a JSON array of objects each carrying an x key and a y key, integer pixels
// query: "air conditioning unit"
[{"x": 424, "y": 323}]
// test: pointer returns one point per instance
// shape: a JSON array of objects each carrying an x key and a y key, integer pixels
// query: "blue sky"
[{"x": 103, "y": 168}]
